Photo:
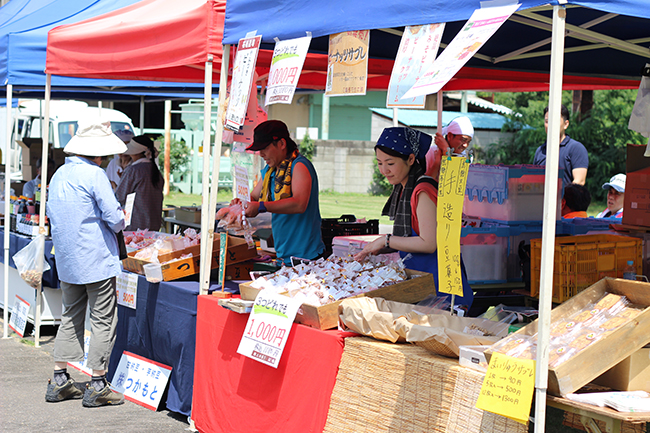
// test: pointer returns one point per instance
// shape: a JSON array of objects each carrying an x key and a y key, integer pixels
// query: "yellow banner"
[
  {"x": 347, "y": 64},
  {"x": 508, "y": 387},
  {"x": 451, "y": 194}
]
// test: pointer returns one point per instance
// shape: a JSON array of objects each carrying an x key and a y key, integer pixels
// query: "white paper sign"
[
  {"x": 18, "y": 319},
  {"x": 417, "y": 50},
  {"x": 128, "y": 208},
  {"x": 127, "y": 289},
  {"x": 242, "y": 190},
  {"x": 268, "y": 328},
  {"x": 286, "y": 66},
  {"x": 141, "y": 380},
  {"x": 480, "y": 27},
  {"x": 242, "y": 78}
]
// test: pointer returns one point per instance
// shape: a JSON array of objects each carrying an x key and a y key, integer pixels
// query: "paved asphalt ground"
[{"x": 24, "y": 371}]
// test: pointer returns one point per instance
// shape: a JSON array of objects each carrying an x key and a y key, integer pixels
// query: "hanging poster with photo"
[
  {"x": 481, "y": 26},
  {"x": 286, "y": 66},
  {"x": 347, "y": 63},
  {"x": 451, "y": 194},
  {"x": 242, "y": 79},
  {"x": 417, "y": 50}
]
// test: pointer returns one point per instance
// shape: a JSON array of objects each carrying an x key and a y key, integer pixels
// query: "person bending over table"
[
  {"x": 412, "y": 205},
  {"x": 289, "y": 190}
]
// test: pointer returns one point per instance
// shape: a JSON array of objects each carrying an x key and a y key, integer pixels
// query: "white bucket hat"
[
  {"x": 135, "y": 148},
  {"x": 459, "y": 126},
  {"x": 617, "y": 182},
  {"x": 95, "y": 138}
]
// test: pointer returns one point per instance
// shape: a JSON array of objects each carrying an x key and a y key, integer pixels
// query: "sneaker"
[
  {"x": 105, "y": 397},
  {"x": 67, "y": 391}
]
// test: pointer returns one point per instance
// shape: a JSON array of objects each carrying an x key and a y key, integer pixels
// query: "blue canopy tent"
[{"x": 605, "y": 40}]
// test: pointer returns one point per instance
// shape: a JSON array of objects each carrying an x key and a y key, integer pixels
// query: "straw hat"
[{"x": 95, "y": 138}]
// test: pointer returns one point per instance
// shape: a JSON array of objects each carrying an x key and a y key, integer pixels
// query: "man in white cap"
[
  {"x": 117, "y": 165},
  {"x": 615, "y": 197},
  {"x": 85, "y": 216},
  {"x": 455, "y": 136}
]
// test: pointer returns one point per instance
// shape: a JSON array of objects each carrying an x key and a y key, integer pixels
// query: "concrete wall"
[{"x": 344, "y": 165}]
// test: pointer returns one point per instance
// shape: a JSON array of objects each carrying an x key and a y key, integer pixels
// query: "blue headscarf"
[{"x": 405, "y": 141}]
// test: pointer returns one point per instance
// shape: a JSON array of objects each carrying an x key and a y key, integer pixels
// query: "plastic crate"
[
  {"x": 345, "y": 225},
  {"x": 581, "y": 261}
]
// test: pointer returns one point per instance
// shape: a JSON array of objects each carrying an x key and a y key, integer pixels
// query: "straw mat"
[
  {"x": 384, "y": 387},
  {"x": 573, "y": 420}
]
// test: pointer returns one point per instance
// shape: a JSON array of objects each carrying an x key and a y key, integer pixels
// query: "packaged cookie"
[
  {"x": 563, "y": 328},
  {"x": 512, "y": 345},
  {"x": 611, "y": 303},
  {"x": 588, "y": 316},
  {"x": 559, "y": 354},
  {"x": 584, "y": 338}
]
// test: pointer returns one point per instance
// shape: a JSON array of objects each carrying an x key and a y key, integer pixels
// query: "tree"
[
  {"x": 306, "y": 147},
  {"x": 179, "y": 156}
]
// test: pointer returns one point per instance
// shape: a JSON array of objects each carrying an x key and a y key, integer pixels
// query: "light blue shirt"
[{"x": 84, "y": 216}]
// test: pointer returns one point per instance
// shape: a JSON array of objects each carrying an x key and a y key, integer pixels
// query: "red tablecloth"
[{"x": 233, "y": 393}]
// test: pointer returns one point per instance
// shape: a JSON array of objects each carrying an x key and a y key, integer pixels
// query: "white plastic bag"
[{"x": 30, "y": 261}]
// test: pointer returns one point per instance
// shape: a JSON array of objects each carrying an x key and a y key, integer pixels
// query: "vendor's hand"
[
  {"x": 441, "y": 142},
  {"x": 372, "y": 248},
  {"x": 235, "y": 201},
  {"x": 253, "y": 209}
]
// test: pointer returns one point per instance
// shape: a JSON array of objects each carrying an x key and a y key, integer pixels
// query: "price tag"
[
  {"x": 18, "y": 319},
  {"x": 242, "y": 190},
  {"x": 451, "y": 195},
  {"x": 127, "y": 289},
  {"x": 508, "y": 387},
  {"x": 268, "y": 328},
  {"x": 141, "y": 380}
]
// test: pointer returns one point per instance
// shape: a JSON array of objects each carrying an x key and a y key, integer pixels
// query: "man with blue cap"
[{"x": 412, "y": 205}]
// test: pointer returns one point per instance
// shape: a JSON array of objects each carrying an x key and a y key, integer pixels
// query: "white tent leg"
[
  {"x": 395, "y": 119},
  {"x": 550, "y": 211},
  {"x": 439, "y": 109},
  {"x": 141, "y": 115},
  {"x": 7, "y": 150},
  {"x": 207, "y": 226}
]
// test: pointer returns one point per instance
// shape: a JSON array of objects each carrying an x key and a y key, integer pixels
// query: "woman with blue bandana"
[{"x": 412, "y": 205}]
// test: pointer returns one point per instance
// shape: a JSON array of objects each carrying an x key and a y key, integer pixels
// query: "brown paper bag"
[{"x": 373, "y": 317}]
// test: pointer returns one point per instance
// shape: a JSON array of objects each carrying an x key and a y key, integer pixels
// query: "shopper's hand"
[{"x": 372, "y": 248}]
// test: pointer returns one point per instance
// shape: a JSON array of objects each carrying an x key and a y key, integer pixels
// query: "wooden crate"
[
  {"x": 416, "y": 288},
  {"x": 238, "y": 252},
  {"x": 606, "y": 352}
]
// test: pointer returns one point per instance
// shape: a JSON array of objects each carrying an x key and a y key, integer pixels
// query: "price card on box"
[
  {"x": 18, "y": 319},
  {"x": 268, "y": 328},
  {"x": 242, "y": 190},
  {"x": 127, "y": 289},
  {"x": 141, "y": 380},
  {"x": 508, "y": 387}
]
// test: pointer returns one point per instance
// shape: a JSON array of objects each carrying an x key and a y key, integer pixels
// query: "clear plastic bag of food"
[{"x": 30, "y": 261}]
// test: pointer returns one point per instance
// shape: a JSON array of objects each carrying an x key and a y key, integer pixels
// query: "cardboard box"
[
  {"x": 631, "y": 374},
  {"x": 473, "y": 357},
  {"x": 600, "y": 356},
  {"x": 636, "y": 208},
  {"x": 190, "y": 214},
  {"x": 238, "y": 252},
  {"x": 416, "y": 288}
]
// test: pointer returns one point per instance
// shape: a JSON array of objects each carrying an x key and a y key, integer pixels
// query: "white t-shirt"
[{"x": 113, "y": 170}]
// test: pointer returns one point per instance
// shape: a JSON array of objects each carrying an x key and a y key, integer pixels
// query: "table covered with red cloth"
[{"x": 233, "y": 393}]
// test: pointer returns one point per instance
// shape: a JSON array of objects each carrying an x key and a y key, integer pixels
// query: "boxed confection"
[
  {"x": 590, "y": 333},
  {"x": 183, "y": 262},
  {"x": 413, "y": 288}
]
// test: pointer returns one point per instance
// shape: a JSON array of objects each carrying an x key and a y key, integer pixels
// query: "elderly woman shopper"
[
  {"x": 412, "y": 205},
  {"x": 142, "y": 177}
]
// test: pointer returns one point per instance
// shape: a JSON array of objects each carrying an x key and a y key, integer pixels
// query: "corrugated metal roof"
[
  {"x": 479, "y": 102},
  {"x": 428, "y": 118}
]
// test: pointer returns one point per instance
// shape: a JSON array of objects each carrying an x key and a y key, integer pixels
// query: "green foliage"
[
  {"x": 306, "y": 147},
  {"x": 379, "y": 185},
  {"x": 179, "y": 156}
]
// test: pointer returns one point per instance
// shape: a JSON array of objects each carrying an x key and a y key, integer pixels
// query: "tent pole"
[
  {"x": 216, "y": 160},
  {"x": 439, "y": 109},
  {"x": 207, "y": 226},
  {"x": 168, "y": 143},
  {"x": 395, "y": 119},
  {"x": 325, "y": 118},
  {"x": 141, "y": 115},
  {"x": 550, "y": 211},
  {"x": 7, "y": 150}
]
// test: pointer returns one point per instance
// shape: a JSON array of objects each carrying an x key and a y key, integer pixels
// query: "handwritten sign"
[
  {"x": 141, "y": 380},
  {"x": 451, "y": 194},
  {"x": 242, "y": 79},
  {"x": 18, "y": 319},
  {"x": 128, "y": 208},
  {"x": 242, "y": 188},
  {"x": 127, "y": 289},
  {"x": 508, "y": 387},
  {"x": 347, "y": 63},
  {"x": 286, "y": 66},
  {"x": 417, "y": 50},
  {"x": 476, "y": 31},
  {"x": 268, "y": 328}
]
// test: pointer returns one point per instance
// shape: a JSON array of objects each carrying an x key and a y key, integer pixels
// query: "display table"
[
  {"x": 162, "y": 328},
  {"x": 233, "y": 393},
  {"x": 613, "y": 420}
]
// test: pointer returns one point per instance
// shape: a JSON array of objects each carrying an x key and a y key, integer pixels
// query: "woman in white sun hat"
[
  {"x": 85, "y": 217},
  {"x": 615, "y": 197},
  {"x": 455, "y": 136}
]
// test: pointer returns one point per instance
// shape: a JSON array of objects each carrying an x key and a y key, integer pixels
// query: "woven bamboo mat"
[
  {"x": 384, "y": 387},
  {"x": 573, "y": 420}
]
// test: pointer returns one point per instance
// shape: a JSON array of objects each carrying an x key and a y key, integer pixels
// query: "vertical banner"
[
  {"x": 347, "y": 63},
  {"x": 242, "y": 78},
  {"x": 286, "y": 66},
  {"x": 451, "y": 195},
  {"x": 417, "y": 50},
  {"x": 481, "y": 26},
  {"x": 508, "y": 387}
]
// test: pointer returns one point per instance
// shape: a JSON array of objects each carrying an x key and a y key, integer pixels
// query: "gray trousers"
[{"x": 101, "y": 298}]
